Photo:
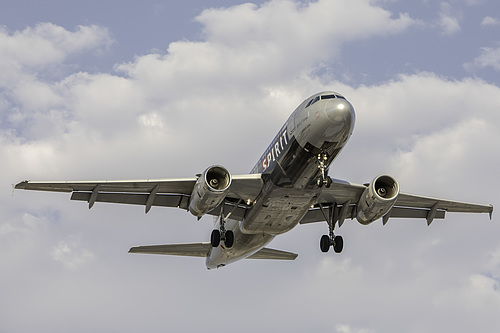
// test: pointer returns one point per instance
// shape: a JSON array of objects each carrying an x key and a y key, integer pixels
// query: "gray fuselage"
[{"x": 322, "y": 124}]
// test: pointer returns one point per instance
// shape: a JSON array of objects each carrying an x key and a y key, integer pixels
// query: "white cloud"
[
  {"x": 489, "y": 57},
  {"x": 71, "y": 253},
  {"x": 449, "y": 24},
  {"x": 280, "y": 39},
  {"x": 48, "y": 43},
  {"x": 151, "y": 120},
  {"x": 45, "y": 44},
  {"x": 479, "y": 295},
  {"x": 449, "y": 20},
  {"x": 286, "y": 23},
  {"x": 26, "y": 224},
  {"x": 31, "y": 106},
  {"x": 348, "y": 329},
  {"x": 433, "y": 156},
  {"x": 489, "y": 21}
]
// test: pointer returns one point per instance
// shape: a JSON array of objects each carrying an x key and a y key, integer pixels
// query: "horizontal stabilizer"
[
  {"x": 189, "y": 250},
  {"x": 203, "y": 250},
  {"x": 267, "y": 253}
]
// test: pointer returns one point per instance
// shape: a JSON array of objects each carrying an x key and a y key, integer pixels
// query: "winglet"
[
  {"x": 491, "y": 211},
  {"x": 20, "y": 185}
]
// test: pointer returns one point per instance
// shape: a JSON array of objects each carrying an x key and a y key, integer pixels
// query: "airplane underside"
[{"x": 274, "y": 213}]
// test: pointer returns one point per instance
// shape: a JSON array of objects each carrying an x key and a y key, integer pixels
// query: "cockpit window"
[
  {"x": 317, "y": 98},
  {"x": 312, "y": 101}
]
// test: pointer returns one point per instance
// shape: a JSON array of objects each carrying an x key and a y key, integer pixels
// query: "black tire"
[
  {"x": 229, "y": 239},
  {"x": 338, "y": 244},
  {"x": 328, "y": 182},
  {"x": 215, "y": 238},
  {"x": 320, "y": 181},
  {"x": 324, "y": 243}
]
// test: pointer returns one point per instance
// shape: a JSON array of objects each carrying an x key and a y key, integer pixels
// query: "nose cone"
[
  {"x": 341, "y": 117},
  {"x": 340, "y": 111},
  {"x": 328, "y": 122}
]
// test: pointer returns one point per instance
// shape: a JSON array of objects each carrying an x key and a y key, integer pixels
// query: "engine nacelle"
[
  {"x": 209, "y": 190},
  {"x": 377, "y": 199}
]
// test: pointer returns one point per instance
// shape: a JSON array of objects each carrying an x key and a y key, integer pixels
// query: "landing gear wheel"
[
  {"x": 215, "y": 238},
  {"x": 320, "y": 181},
  {"x": 324, "y": 243},
  {"x": 328, "y": 182},
  {"x": 338, "y": 244},
  {"x": 229, "y": 241}
]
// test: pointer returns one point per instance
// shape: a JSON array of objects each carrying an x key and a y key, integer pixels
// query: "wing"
[
  {"x": 151, "y": 192},
  {"x": 344, "y": 193}
]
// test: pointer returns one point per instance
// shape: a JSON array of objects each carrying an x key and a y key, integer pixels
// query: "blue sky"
[{"x": 122, "y": 90}]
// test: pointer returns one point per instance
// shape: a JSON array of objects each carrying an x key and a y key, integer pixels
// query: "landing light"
[{"x": 341, "y": 106}]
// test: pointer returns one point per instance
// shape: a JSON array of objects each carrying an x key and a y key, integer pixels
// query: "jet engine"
[
  {"x": 209, "y": 190},
  {"x": 377, "y": 199}
]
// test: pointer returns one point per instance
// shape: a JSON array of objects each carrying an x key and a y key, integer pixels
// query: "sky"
[{"x": 111, "y": 89}]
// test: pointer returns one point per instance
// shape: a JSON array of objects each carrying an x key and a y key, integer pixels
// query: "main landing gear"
[
  {"x": 227, "y": 237},
  {"x": 336, "y": 242},
  {"x": 221, "y": 234},
  {"x": 330, "y": 240},
  {"x": 323, "y": 179}
]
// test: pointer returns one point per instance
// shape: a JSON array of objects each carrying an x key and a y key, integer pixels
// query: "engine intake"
[
  {"x": 209, "y": 190},
  {"x": 377, "y": 199}
]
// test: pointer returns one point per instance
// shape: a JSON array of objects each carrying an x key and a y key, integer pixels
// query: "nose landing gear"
[{"x": 323, "y": 179}]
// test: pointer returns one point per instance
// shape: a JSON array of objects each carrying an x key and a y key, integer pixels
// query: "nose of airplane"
[
  {"x": 340, "y": 111},
  {"x": 340, "y": 114}
]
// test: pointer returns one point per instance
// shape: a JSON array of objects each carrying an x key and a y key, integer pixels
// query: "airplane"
[{"x": 289, "y": 185}]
